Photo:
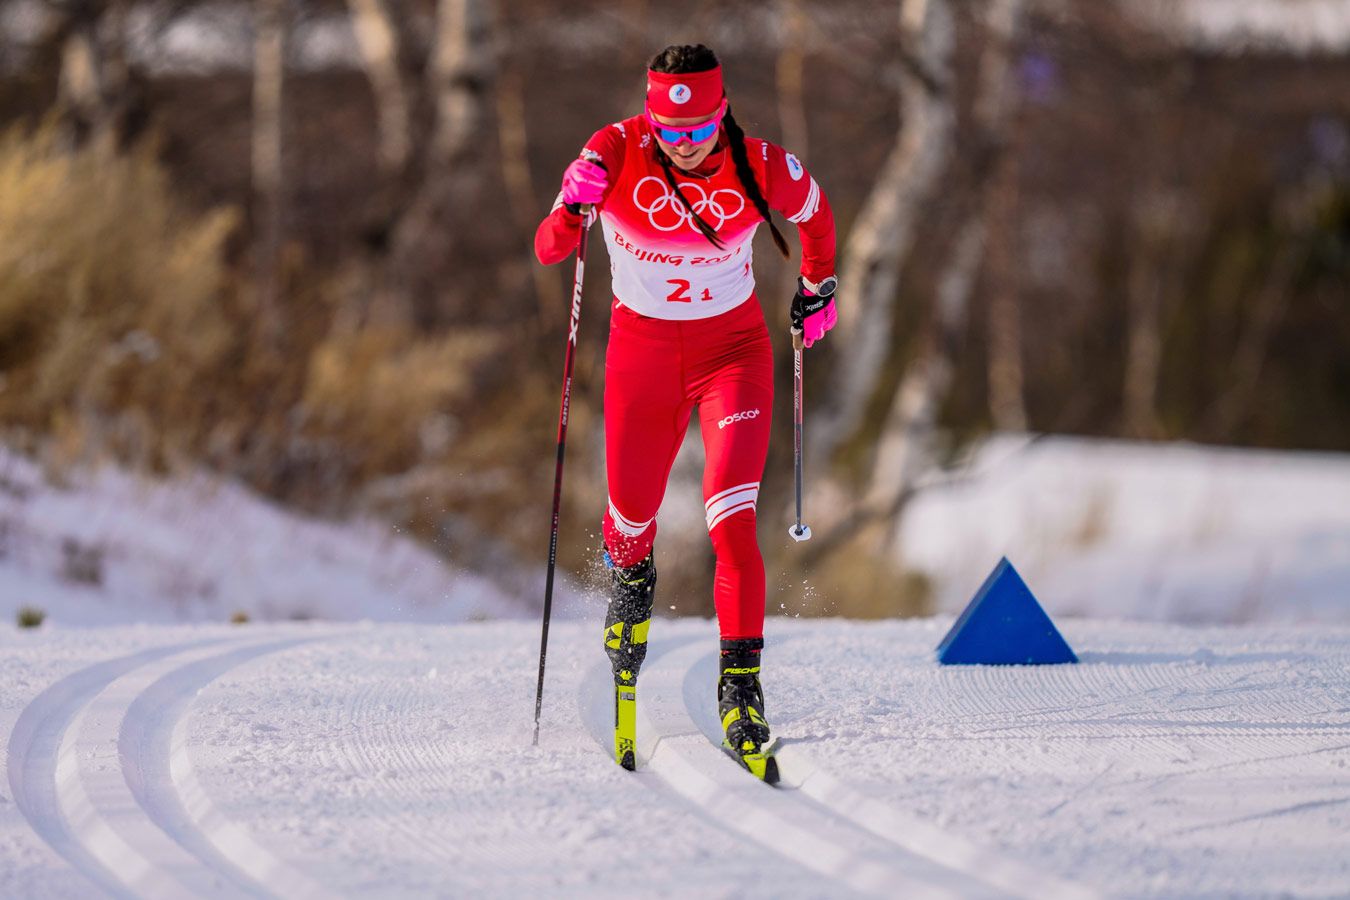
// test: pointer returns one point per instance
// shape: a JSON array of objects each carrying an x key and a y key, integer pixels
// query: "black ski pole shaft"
[
  {"x": 799, "y": 531},
  {"x": 797, "y": 422},
  {"x": 558, "y": 475}
]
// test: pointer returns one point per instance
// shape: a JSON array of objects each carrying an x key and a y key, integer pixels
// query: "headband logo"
[{"x": 680, "y": 93}]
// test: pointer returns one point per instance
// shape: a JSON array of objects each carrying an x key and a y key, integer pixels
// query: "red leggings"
[{"x": 656, "y": 372}]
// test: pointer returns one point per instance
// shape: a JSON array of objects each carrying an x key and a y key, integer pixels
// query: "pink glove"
[
  {"x": 813, "y": 315},
  {"x": 817, "y": 324},
  {"x": 584, "y": 183}
]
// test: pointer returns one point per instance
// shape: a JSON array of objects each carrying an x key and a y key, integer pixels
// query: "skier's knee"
[
  {"x": 734, "y": 541},
  {"x": 627, "y": 542}
]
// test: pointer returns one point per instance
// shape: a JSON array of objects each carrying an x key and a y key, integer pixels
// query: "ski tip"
[
  {"x": 628, "y": 761},
  {"x": 760, "y": 764}
]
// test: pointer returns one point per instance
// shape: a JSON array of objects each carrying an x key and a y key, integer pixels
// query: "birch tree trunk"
[
  {"x": 513, "y": 136},
  {"x": 789, "y": 70},
  {"x": 1143, "y": 351},
  {"x": 1161, "y": 225},
  {"x": 269, "y": 57},
  {"x": 444, "y": 204},
  {"x": 882, "y": 235},
  {"x": 1253, "y": 349},
  {"x": 905, "y": 448},
  {"x": 1157, "y": 228},
  {"x": 377, "y": 38},
  {"x": 80, "y": 88},
  {"x": 996, "y": 113},
  {"x": 1007, "y": 405},
  {"x": 903, "y": 451},
  {"x": 459, "y": 66}
]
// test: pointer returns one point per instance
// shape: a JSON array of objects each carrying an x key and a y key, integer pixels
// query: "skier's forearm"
[{"x": 557, "y": 236}]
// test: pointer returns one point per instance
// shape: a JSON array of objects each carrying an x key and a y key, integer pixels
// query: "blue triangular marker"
[{"x": 1004, "y": 625}]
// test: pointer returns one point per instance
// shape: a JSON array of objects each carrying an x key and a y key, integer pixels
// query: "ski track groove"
[
  {"x": 908, "y": 833},
  {"x": 34, "y": 752},
  {"x": 159, "y": 770},
  {"x": 98, "y": 763},
  {"x": 596, "y": 705},
  {"x": 829, "y": 841},
  {"x": 595, "y": 699}
]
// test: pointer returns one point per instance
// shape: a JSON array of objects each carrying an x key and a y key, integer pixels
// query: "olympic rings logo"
[{"x": 667, "y": 212}]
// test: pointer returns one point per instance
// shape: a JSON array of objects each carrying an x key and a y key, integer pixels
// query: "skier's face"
[{"x": 685, "y": 155}]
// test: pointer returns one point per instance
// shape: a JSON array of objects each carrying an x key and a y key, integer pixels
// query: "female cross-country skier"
[{"x": 680, "y": 191}]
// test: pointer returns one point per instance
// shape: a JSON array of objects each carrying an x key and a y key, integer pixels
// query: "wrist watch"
[{"x": 824, "y": 289}]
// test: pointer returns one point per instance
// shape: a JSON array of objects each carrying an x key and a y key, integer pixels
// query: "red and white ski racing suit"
[{"x": 686, "y": 331}]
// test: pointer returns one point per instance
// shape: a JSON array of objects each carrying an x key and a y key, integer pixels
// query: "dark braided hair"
[{"x": 679, "y": 58}]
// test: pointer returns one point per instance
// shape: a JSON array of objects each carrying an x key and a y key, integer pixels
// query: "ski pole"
[
  {"x": 799, "y": 531},
  {"x": 558, "y": 475}
]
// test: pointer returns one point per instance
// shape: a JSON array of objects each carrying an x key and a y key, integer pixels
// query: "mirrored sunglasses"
[{"x": 694, "y": 134}]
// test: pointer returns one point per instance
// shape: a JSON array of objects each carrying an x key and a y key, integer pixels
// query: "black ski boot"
[
  {"x": 740, "y": 703},
  {"x": 630, "y": 612}
]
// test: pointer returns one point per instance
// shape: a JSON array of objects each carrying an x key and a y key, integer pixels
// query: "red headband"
[{"x": 684, "y": 95}]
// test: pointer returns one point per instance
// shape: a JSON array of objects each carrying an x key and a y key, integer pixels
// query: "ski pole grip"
[
  {"x": 798, "y": 340},
  {"x": 591, "y": 156}
]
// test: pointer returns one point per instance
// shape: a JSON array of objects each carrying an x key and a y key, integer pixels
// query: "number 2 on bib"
[{"x": 681, "y": 292}]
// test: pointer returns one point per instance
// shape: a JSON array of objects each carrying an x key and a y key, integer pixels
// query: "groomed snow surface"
[
  {"x": 308, "y": 760},
  {"x": 384, "y": 749}
]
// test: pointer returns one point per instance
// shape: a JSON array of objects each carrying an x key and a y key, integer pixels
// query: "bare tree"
[
  {"x": 269, "y": 72},
  {"x": 996, "y": 116},
  {"x": 94, "y": 95},
  {"x": 459, "y": 69},
  {"x": 461, "y": 65},
  {"x": 903, "y": 451},
  {"x": 377, "y": 36},
  {"x": 905, "y": 447},
  {"x": 884, "y": 230},
  {"x": 789, "y": 70},
  {"x": 1253, "y": 348},
  {"x": 80, "y": 90},
  {"x": 1154, "y": 221},
  {"x": 1162, "y": 226},
  {"x": 514, "y": 138}
]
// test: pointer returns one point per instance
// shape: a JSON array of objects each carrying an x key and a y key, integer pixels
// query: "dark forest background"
[{"x": 289, "y": 240}]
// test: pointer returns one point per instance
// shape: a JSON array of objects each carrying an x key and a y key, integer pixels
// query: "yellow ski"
[
  {"x": 625, "y": 720},
  {"x": 758, "y": 761}
]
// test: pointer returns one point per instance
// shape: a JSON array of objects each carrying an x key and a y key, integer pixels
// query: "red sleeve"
[
  {"x": 558, "y": 234},
  {"x": 792, "y": 191}
]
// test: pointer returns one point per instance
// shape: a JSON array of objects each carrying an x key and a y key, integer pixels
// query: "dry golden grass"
[
  {"x": 381, "y": 388},
  {"x": 124, "y": 330},
  {"x": 108, "y": 286}
]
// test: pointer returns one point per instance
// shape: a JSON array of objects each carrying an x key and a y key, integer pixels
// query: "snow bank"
[
  {"x": 1145, "y": 531},
  {"x": 112, "y": 548}
]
